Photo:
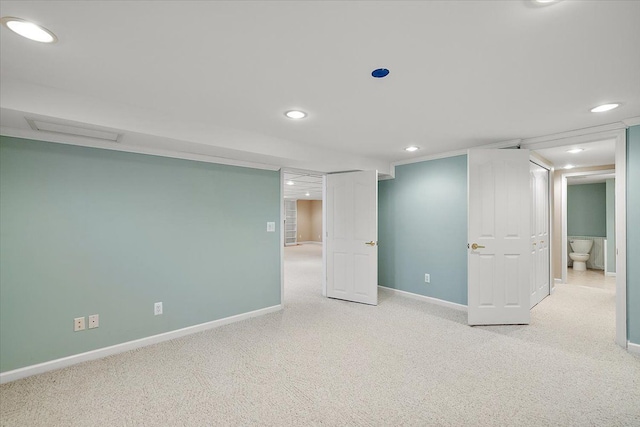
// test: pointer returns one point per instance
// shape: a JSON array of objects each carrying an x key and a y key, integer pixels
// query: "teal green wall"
[
  {"x": 633, "y": 234},
  {"x": 422, "y": 228},
  {"x": 86, "y": 231},
  {"x": 587, "y": 210},
  {"x": 611, "y": 225}
]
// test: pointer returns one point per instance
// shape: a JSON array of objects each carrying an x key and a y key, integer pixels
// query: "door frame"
[
  {"x": 533, "y": 158},
  {"x": 324, "y": 237},
  {"x": 619, "y": 133},
  {"x": 281, "y": 229}
]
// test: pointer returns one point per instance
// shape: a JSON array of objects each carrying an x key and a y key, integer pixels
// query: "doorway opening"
[
  {"x": 302, "y": 233},
  {"x": 590, "y": 228},
  {"x": 588, "y": 201}
]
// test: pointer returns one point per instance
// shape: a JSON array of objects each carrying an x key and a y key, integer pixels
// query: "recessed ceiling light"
[
  {"x": 295, "y": 114},
  {"x": 290, "y": 183},
  {"x": 412, "y": 148},
  {"x": 545, "y": 2},
  {"x": 307, "y": 194},
  {"x": 29, "y": 30},
  {"x": 604, "y": 107},
  {"x": 569, "y": 167},
  {"x": 575, "y": 150}
]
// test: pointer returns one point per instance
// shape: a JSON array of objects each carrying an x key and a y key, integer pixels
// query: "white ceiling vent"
[{"x": 74, "y": 130}]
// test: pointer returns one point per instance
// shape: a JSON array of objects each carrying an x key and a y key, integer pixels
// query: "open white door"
[
  {"x": 351, "y": 236},
  {"x": 499, "y": 237}
]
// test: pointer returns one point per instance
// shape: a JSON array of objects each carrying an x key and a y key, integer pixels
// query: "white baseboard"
[
  {"x": 557, "y": 281},
  {"x": 633, "y": 348},
  {"x": 64, "y": 362},
  {"x": 432, "y": 300},
  {"x": 310, "y": 243},
  {"x": 608, "y": 273}
]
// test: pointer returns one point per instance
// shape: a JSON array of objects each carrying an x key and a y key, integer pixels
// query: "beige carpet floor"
[{"x": 334, "y": 363}]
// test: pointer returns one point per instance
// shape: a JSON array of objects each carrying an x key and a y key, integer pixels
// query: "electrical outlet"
[
  {"x": 78, "y": 324},
  {"x": 94, "y": 321},
  {"x": 271, "y": 227},
  {"x": 157, "y": 308},
  {"x": 427, "y": 278}
]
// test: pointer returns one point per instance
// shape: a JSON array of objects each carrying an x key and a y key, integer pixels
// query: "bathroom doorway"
[
  {"x": 590, "y": 222},
  {"x": 590, "y": 229}
]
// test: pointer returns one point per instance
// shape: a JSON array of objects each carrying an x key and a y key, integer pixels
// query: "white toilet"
[{"x": 580, "y": 254}]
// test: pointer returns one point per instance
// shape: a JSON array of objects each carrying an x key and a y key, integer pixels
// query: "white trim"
[
  {"x": 632, "y": 121},
  {"x": 282, "y": 238},
  {"x": 426, "y": 158},
  {"x": 324, "y": 238},
  {"x": 574, "y": 136},
  {"x": 563, "y": 219},
  {"x": 610, "y": 274},
  {"x": 633, "y": 347},
  {"x": 113, "y": 146},
  {"x": 543, "y": 163},
  {"x": 621, "y": 238},
  {"x": 584, "y": 135},
  {"x": 384, "y": 176},
  {"x": 64, "y": 362},
  {"x": 431, "y": 300},
  {"x": 309, "y": 242},
  {"x": 503, "y": 144},
  {"x": 605, "y": 253}
]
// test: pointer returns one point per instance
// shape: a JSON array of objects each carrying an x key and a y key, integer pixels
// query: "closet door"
[{"x": 539, "y": 182}]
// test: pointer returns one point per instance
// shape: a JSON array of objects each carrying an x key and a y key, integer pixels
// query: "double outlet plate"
[{"x": 79, "y": 323}]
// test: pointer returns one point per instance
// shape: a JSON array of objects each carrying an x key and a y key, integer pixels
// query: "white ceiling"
[
  {"x": 298, "y": 185},
  {"x": 594, "y": 154},
  {"x": 215, "y": 77}
]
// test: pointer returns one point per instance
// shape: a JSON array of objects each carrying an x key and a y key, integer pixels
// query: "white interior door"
[
  {"x": 352, "y": 236},
  {"x": 499, "y": 237},
  {"x": 539, "y": 280}
]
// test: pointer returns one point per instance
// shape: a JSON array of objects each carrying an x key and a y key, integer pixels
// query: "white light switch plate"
[
  {"x": 271, "y": 227},
  {"x": 157, "y": 308}
]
